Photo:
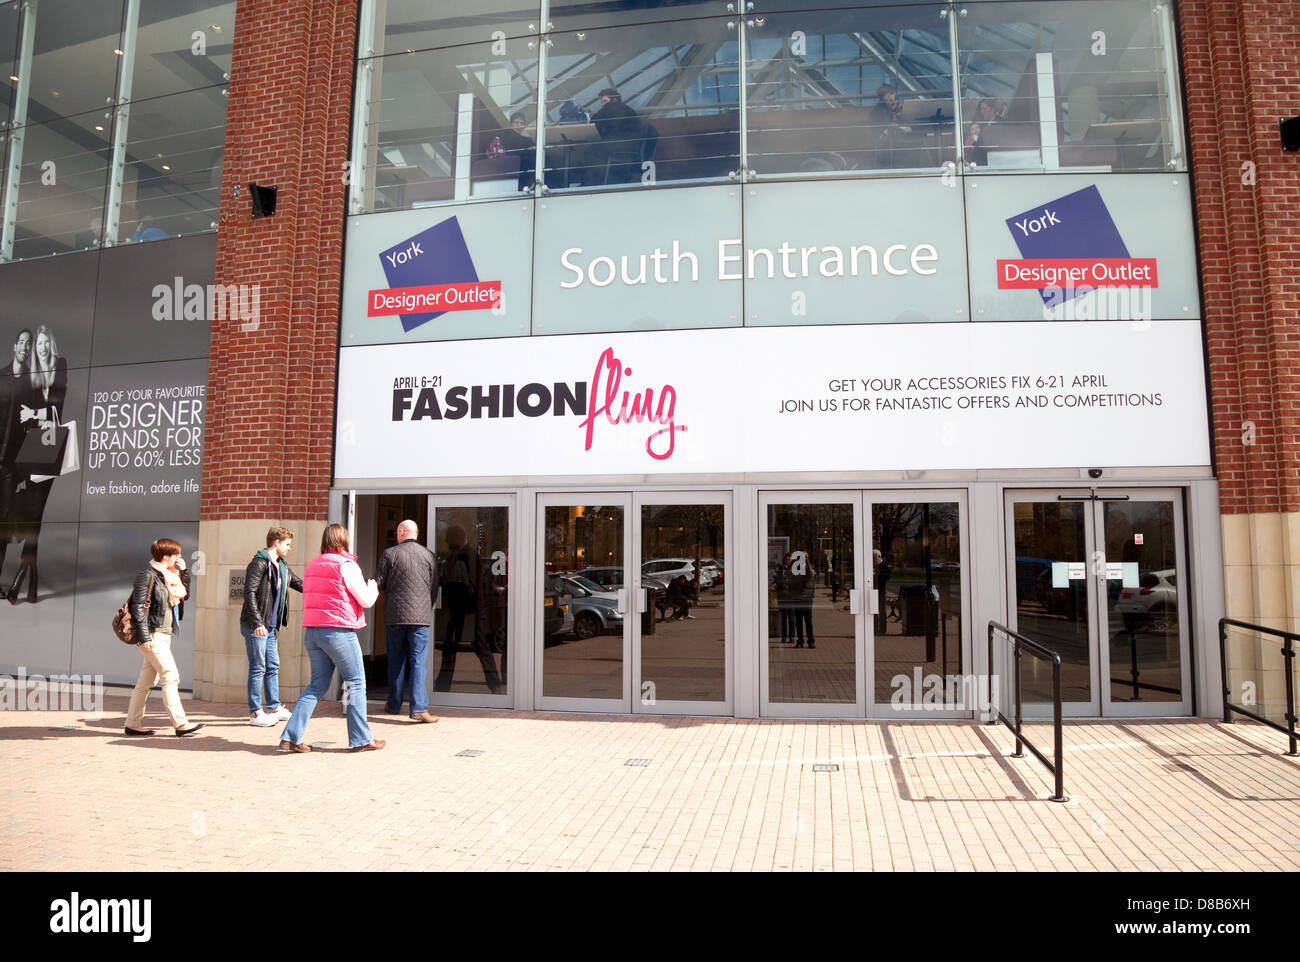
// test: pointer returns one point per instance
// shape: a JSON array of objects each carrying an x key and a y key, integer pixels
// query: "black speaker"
[
  {"x": 1290, "y": 133},
  {"x": 263, "y": 200}
]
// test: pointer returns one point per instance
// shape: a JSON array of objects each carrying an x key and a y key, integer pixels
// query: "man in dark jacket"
[
  {"x": 621, "y": 132},
  {"x": 408, "y": 577},
  {"x": 267, "y": 581}
]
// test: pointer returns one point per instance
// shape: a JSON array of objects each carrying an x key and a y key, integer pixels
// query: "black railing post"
[
  {"x": 1058, "y": 735},
  {"x": 993, "y": 712},
  {"x": 1223, "y": 666},
  {"x": 1288, "y": 658},
  {"x": 1016, "y": 659}
]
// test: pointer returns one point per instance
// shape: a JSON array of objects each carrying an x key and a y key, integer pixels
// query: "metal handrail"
[
  {"x": 1288, "y": 656},
  {"x": 1056, "y": 767}
]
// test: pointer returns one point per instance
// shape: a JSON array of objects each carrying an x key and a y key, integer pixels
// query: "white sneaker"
[
  {"x": 282, "y": 713},
  {"x": 261, "y": 720}
]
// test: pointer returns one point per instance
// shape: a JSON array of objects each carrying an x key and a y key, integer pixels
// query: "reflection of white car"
[
  {"x": 666, "y": 569},
  {"x": 594, "y": 610},
  {"x": 1154, "y": 602}
]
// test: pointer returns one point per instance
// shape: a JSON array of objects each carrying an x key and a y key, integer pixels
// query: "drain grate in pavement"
[
  {"x": 469, "y": 753},
  {"x": 322, "y": 744},
  {"x": 826, "y": 768},
  {"x": 64, "y": 728},
  {"x": 637, "y": 762}
]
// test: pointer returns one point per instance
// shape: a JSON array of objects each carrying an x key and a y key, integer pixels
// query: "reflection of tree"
[{"x": 683, "y": 530}]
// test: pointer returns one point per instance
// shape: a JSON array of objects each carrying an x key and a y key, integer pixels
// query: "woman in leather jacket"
[{"x": 157, "y": 605}]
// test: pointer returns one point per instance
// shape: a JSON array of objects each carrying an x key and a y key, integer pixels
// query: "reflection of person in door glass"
[
  {"x": 40, "y": 411},
  {"x": 459, "y": 577},
  {"x": 13, "y": 390},
  {"x": 785, "y": 599},
  {"x": 882, "y": 572},
  {"x": 803, "y": 584}
]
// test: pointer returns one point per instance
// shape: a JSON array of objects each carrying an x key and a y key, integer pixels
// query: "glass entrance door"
[
  {"x": 813, "y": 661},
  {"x": 471, "y": 636},
  {"x": 1098, "y": 577},
  {"x": 633, "y": 608},
  {"x": 584, "y": 573},
  {"x": 683, "y": 608}
]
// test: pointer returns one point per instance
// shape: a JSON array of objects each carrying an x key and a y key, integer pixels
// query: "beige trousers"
[{"x": 158, "y": 665}]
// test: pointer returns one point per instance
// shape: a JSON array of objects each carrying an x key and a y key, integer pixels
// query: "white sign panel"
[{"x": 844, "y": 398}]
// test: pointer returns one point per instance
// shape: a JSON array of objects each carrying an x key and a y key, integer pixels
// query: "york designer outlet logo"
[
  {"x": 430, "y": 274},
  {"x": 1068, "y": 247}
]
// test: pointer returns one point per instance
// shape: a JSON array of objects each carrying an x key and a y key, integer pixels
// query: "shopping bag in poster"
[
  {"x": 71, "y": 454},
  {"x": 42, "y": 450}
]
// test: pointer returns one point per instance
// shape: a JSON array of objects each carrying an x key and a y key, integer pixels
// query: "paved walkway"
[{"x": 556, "y": 791}]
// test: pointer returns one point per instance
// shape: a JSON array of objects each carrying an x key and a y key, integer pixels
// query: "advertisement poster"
[
  {"x": 869, "y": 397},
  {"x": 102, "y": 405}
]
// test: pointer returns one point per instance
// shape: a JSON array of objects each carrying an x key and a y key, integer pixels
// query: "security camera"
[{"x": 1095, "y": 472}]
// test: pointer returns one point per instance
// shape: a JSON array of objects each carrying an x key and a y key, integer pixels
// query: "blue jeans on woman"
[{"x": 327, "y": 649}]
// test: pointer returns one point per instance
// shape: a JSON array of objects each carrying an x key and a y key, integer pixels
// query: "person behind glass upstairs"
[
  {"x": 516, "y": 144},
  {"x": 885, "y": 129},
  {"x": 620, "y": 130}
]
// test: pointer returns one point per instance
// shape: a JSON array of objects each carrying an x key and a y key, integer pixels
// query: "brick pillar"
[
  {"x": 1240, "y": 61},
  {"x": 268, "y": 453}
]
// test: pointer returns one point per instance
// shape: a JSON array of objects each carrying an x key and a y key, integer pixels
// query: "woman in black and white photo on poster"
[{"x": 39, "y": 399}]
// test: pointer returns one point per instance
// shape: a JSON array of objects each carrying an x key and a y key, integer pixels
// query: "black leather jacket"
[
  {"x": 259, "y": 594},
  {"x": 158, "y": 603}
]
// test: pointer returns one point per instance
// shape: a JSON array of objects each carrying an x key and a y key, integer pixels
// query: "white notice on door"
[
  {"x": 1060, "y": 574},
  {"x": 1078, "y": 570}
]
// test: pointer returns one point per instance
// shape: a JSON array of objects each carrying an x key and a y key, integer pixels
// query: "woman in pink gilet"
[{"x": 334, "y": 597}]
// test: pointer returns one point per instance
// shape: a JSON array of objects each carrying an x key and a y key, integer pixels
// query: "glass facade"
[
  {"x": 114, "y": 115},
  {"x": 630, "y": 95}
]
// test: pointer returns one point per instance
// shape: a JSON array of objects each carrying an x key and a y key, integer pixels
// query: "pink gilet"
[{"x": 326, "y": 601}]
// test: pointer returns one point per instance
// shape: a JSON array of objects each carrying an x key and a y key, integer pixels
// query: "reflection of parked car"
[
  {"x": 1071, "y": 602},
  {"x": 713, "y": 569},
  {"x": 1154, "y": 602},
  {"x": 669, "y": 568},
  {"x": 594, "y": 609},
  {"x": 610, "y": 578},
  {"x": 557, "y": 609}
]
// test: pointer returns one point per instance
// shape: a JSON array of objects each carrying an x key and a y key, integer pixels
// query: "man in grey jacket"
[{"x": 408, "y": 577}]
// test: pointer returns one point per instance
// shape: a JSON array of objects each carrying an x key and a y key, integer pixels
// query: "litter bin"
[{"x": 914, "y": 600}]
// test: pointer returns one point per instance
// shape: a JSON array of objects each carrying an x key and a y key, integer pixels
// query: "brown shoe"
[
  {"x": 424, "y": 716},
  {"x": 374, "y": 746},
  {"x": 294, "y": 747}
]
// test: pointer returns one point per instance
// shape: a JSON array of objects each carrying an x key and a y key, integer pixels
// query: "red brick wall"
[
  {"x": 1241, "y": 72},
  {"x": 271, "y": 390}
]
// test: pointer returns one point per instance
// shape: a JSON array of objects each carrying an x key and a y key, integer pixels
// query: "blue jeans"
[
  {"x": 327, "y": 649},
  {"x": 408, "y": 649},
  {"x": 263, "y": 667}
]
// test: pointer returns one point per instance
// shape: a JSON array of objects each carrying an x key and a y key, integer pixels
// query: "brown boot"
[{"x": 423, "y": 716}]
